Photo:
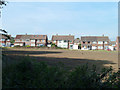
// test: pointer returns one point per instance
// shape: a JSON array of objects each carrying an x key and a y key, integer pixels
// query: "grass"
[{"x": 31, "y": 74}]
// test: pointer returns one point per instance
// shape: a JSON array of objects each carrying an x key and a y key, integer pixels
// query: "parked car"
[
  {"x": 12, "y": 45},
  {"x": 108, "y": 49}
]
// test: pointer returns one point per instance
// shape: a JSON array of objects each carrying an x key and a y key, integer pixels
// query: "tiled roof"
[
  {"x": 31, "y": 37},
  {"x": 62, "y": 37},
  {"x": 112, "y": 42},
  {"x": 94, "y": 38},
  {"x": 77, "y": 41}
]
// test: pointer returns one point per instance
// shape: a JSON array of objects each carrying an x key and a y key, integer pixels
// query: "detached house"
[
  {"x": 31, "y": 40},
  {"x": 63, "y": 41},
  {"x": 4, "y": 41},
  {"x": 94, "y": 42}
]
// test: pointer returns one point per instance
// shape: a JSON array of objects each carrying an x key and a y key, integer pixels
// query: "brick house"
[
  {"x": 31, "y": 40},
  {"x": 63, "y": 41},
  {"x": 94, "y": 42},
  {"x": 4, "y": 41}
]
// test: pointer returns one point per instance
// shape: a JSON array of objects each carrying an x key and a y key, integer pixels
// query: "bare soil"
[{"x": 69, "y": 58}]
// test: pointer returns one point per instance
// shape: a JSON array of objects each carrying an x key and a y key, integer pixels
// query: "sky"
[{"x": 62, "y": 18}]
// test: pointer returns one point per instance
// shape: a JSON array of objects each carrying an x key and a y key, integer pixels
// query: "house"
[
  {"x": 77, "y": 41},
  {"x": 31, "y": 40},
  {"x": 63, "y": 41},
  {"x": 118, "y": 43},
  {"x": 94, "y": 42},
  {"x": 112, "y": 45},
  {"x": 4, "y": 41}
]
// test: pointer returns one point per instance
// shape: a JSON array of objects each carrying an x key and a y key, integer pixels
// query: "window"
[
  {"x": 23, "y": 40},
  {"x": 88, "y": 41},
  {"x": 106, "y": 47},
  {"x": 38, "y": 40},
  {"x": 71, "y": 46},
  {"x": 83, "y": 42},
  {"x": 100, "y": 47},
  {"x": 65, "y": 40},
  {"x": 32, "y": 40},
  {"x": 105, "y": 42},
  {"x": 3, "y": 39},
  {"x": 60, "y": 41},
  {"x": 94, "y": 42},
  {"x": 100, "y": 42},
  {"x": 32, "y": 44},
  {"x": 43, "y": 40},
  {"x": 27, "y": 40}
]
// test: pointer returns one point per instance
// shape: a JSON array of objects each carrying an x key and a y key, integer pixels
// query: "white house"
[{"x": 63, "y": 41}]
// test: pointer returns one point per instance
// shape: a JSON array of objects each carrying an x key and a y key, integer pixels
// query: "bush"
[
  {"x": 17, "y": 46},
  {"x": 53, "y": 45},
  {"x": 27, "y": 46},
  {"x": 31, "y": 74}
]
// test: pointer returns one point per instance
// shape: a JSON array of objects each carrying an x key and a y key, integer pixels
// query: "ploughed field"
[{"x": 68, "y": 58}]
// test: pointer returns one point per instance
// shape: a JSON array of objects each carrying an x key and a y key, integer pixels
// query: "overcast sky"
[{"x": 76, "y": 18}]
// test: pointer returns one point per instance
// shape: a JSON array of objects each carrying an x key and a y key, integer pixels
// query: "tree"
[
  {"x": 3, "y": 3},
  {"x": 12, "y": 40},
  {"x": 79, "y": 46}
]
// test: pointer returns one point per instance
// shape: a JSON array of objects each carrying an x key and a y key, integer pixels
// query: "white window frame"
[
  {"x": 32, "y": 40},
  {"x": 94, "y": 42},
  {"x": 100, "y": 42},
  {"x": 100, "y": 47},
  {"x": 105, "y": 42},
  {"x": 43, "y": 40}
]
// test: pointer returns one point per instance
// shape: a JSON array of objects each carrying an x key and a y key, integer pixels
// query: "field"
[{"x": 68, "y": 58}]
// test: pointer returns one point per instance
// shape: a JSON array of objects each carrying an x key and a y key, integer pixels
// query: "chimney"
[{"x": 103, "y": 35}]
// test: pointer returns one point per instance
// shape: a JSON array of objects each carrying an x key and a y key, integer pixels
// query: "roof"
[
  {"x": 63, "y": 37},
  {"x": 4, "y": 37},
  {"x": 77, "y": 41},
  {"x": 31, "y": 37},
  {"x": 112, "y": 42},
  {"x": 94, "y": 38}
]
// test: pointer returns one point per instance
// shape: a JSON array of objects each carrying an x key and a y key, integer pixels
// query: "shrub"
[
  {"x": 17, "y": 46},
  {"x": 31, "y": 74},
  {"x": 27, "y": 46},
  {"x": 53, "y": 45}
]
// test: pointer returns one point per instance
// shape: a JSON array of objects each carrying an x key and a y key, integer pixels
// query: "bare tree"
[{"x": 3, "y": 3}]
